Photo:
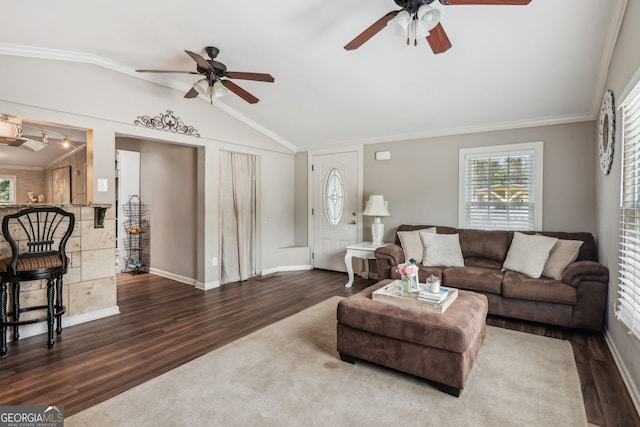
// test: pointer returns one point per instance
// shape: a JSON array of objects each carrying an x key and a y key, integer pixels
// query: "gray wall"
[
  {"x": 301, "y": 202},
  {"x": 625, "y": 62},
  {"x": 420, "y": 181},
  {"x": 28, "y": 180},
  {"x": 168, "y": 184},
  {"x": 39, "y": 180}
]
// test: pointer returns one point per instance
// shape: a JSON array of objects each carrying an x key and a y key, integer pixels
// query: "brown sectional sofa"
[{"x": 577, "y": 301}]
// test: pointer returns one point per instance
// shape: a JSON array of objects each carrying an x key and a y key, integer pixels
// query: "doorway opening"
[{"x": 167, "y": 182}]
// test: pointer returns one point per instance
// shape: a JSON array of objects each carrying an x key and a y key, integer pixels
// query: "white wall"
[
  {"x": 128, "y": 186},
  {"x": 625, "y": 62},
  {"x": 420, "y": 181},
  {"x": 108, "y": 102}
]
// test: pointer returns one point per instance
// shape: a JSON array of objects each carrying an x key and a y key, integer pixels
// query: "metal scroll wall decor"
[{"x": 167, "y": 122}]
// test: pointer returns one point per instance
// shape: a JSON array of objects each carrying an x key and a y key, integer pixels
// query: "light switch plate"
[
  {"x": 383, "y": 155},
  {"x": 103, "y": 184}
]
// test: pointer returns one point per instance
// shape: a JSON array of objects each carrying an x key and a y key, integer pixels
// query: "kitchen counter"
[{"x": 89, "y": 290}]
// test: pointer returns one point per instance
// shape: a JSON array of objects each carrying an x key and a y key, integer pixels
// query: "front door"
[{"x": 335, "y": 208}]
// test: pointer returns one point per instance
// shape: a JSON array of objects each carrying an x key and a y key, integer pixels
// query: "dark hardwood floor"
[{"x": 164, "y": 324}]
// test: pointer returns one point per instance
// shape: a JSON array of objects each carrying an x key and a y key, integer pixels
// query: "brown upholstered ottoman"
[{"x": 437, "y": 347}]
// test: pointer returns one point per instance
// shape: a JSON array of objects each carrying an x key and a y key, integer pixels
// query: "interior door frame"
[{"x": 360, "y": 188}]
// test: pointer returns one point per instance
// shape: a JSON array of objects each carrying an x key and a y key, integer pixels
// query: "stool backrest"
[{"x": 38, "y": 231}]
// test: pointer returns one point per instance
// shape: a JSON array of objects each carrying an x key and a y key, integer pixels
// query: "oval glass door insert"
[{"x": 334, "y": 197}]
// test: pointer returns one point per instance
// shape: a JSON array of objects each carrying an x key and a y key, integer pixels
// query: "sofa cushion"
[
  {"x": 411, "y": 243},
  {"x": 483, "y": 262},
  {"x": 426, "y": 271},
  {"x": 528, "y": 254},
  {"x": 563, "y": 253},
  {"x": 441, "y": 249},
  {"x": 489, "y": 244},
  {"x": 517, "y": 285},
  {"x": 473, "y": 278}
]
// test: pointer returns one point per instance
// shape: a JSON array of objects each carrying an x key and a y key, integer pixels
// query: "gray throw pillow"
[
  {"x": 563, "y": 253},
  {"x": 411, "y": 244}
]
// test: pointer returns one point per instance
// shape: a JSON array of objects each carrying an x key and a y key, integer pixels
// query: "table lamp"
[{"x": 377, "y": 207}]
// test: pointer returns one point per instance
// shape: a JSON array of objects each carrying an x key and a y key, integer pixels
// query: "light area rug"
[{"x": 290, "y": 374}]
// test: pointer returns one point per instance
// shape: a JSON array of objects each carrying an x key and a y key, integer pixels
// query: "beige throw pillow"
[
  {"x": 442, "y": 249},
  {"x": 563, "y": 253},
  {"x": 528, "y": 254},
  {"x": 411, "y": 244}
]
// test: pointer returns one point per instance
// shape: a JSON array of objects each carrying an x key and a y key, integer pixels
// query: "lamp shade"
[
  {"x": 219, "y": 90},
  {"x": 202, "y": 87},
  {"x": 376, "y": 206},
  {"x": 428, "y": 17},
  {"x": 402, "y": 21}
]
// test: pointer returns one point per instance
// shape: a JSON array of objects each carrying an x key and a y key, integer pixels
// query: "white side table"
[{"x": 364, "y": 250}]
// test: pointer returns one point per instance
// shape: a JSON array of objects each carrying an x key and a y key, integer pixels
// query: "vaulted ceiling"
[{"x": 510, "y": 66}]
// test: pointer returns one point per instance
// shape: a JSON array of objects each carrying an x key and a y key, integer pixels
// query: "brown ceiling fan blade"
[
  {"x": 371, "y": 31},
  {"x": 260, "y": 77},
  {"x": 496, "y": 2},
  {"x": 166, "y": 71},
  {"x": 200, "y": 60},
  {"x": 191, "y": 94},
  {"x": 438, "y": 39},
  {"x": 239, "y": 91}
]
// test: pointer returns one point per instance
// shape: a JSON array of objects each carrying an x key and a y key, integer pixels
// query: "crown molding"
[
  {"x": 25, "y": 168},
  {"x": 119, "y": 67},
  {"x": 617, "y": 16},
  {"x": 490, "y": 127}
]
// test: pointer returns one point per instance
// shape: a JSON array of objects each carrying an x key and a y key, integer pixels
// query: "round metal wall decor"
[{"x": 606, "y": 132}]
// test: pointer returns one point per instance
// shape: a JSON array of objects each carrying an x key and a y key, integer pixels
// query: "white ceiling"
[{"x": 510, "y": 66}]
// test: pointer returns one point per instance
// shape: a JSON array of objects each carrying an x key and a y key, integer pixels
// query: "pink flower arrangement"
[{"x": 409, "y": 268}]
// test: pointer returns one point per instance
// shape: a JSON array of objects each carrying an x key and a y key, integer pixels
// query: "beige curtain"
[{"x": 238, "y": 216}]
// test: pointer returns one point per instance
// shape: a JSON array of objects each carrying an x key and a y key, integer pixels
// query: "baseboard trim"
[
  {"x": 209, "y": 285},
  {"x": 286, "y": 268},
  {"x": 624, "y": 372},
  {"x": 41, "y": 328},
  {"x": 216, "y": 283},
  {"x": 173, "y": 276},
  {"x": 186, "y": 280}
]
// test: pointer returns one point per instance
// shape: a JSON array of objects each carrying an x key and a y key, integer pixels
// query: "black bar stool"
[{"x": 38, "y": 236}]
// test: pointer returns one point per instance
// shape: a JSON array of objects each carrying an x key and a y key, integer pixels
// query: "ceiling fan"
[
  {"x": 215, "y": 77},
  {"x": 418, "y": 19}
]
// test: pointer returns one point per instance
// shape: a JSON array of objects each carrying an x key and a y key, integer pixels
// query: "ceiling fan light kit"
[
  {"x": 418, "y": 19},
  {"x": 210, "y": 91},
  {"x": 417, "y": 25},
  {"x": 215, "y": 82}
]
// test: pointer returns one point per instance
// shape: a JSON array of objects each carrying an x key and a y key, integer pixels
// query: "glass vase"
[{"x": 406, "y": 285}]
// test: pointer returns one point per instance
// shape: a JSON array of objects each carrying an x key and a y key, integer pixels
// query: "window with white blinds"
[
  {"x": 501, "y": 187},
  {"x": 628, "y": 304}
]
